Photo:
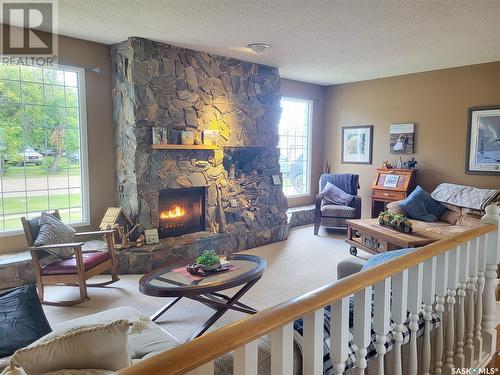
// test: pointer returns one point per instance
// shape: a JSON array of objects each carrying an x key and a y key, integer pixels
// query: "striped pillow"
[{"x": 53, "y": 231}]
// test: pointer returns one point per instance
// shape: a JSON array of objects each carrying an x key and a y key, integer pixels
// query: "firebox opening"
[{"x": 181, "y": 211}]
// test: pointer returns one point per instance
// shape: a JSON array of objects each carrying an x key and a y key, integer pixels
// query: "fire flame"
[{"x": 172, "y": 213}]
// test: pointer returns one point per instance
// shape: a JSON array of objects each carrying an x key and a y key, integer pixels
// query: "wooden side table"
[{"x": 391, "y": 185}]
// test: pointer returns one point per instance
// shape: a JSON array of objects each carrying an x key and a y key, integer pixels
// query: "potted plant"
[
  {"x": 396, "y": 221},
  {"x": 208, "y": 260}
]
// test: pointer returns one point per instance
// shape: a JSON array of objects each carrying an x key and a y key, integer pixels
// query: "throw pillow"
[
  {"x": 53, "y": 231},
  {"x": 419, "y": 205},
  {"x": 100, "y": 346},
  {"x": 335, "y": 195},
  {"x": 384, "y": 257},
  {"x": 23, "y": 320}
]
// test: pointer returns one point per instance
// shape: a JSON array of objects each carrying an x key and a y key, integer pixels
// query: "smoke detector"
[{"x": 258, "y": 47}]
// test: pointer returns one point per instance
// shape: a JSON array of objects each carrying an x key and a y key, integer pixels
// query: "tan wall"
[
  {"x": 436, "y": 101},
  {"x": 99, "y": 129},
  {"x": 316, "y": 93}
]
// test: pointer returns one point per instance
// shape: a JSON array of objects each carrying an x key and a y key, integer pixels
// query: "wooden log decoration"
[{"x": 223, "y": 223}]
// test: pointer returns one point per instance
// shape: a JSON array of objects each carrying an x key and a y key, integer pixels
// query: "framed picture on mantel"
[
  {"x": 483, "y": 141},
  {"x": 357, "y": 144}
]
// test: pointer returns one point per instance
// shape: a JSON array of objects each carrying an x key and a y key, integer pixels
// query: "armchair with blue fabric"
[{"x": 331, "y": 215}]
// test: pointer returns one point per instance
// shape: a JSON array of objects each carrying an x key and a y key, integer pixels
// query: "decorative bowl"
[{"x": 209, "y": 268}]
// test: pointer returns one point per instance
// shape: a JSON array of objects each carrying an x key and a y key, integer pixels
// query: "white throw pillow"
[{"x": 100, "y": 346}]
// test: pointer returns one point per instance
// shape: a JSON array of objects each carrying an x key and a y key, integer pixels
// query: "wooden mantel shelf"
[{"x": 183, "y": 147}]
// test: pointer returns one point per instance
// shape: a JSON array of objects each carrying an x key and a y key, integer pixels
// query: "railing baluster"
[
  {"x": 478, "y": 312},
  {"x": 282, "y": 350},
  {"x": 245, "y": 359},
  {"x": 489, "y": 300},
  {"x": 381, "y": 319},
  {"x": 428, "y": 297},
  {"x": 339, "y": 335},
  {"x": 362, "y": 325},
  {"x": 206, "y": 369},
  {"x": 463, "y": 256},
  {"x": 398, "y": 314},
  {"x": 414, "y": 307},
  {"x": 453, "y": 270},
  {"x": 441, "y": 290},
  {"x": 471, "y": 287},
  {"x": 313, "y": 343}
]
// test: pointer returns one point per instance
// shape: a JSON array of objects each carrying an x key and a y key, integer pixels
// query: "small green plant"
[
  {"x": 208, "y": 258},
  {"x": 396, "y": 221}
]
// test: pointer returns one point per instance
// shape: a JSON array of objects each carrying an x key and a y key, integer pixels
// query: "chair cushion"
[
  {"x": 331, "y": 210},
  {"x": 23, "y": 320},
  {"x": 335, "y": 195},
  {"x": 53, "y": 231},
  {"x": 420, "y": 205},
  {"x": 68, "y": 266}
]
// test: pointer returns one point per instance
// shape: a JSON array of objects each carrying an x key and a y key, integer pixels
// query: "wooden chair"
[{"x": 74, "y": 271}]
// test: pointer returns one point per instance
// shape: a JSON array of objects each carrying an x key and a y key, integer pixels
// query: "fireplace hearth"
[{"x": 181, "y": 211}]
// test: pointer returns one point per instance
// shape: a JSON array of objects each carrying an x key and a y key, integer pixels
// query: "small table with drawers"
[{"x": 391, "y": 185}]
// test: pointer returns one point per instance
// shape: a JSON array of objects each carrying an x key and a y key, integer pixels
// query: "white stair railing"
[{"x": 458, "y": 273}]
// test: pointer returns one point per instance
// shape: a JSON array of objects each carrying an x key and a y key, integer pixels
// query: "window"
[
  {"x": 295, "y": 146},
  {"x": 42, "y": 144}
]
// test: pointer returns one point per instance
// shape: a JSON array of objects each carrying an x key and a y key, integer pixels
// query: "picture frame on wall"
[
  {"x": 483, "y": 141},
  {"x": 357, "y": 144},
  {"x": 402, "y": 138}
]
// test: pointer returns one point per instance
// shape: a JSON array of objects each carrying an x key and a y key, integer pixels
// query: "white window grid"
[
  {"x": 295, "y": 142},
  {"x": 77, "y": 211}
]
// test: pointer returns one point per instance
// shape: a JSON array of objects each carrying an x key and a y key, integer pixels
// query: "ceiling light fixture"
[{"x": 258, "y": 47}]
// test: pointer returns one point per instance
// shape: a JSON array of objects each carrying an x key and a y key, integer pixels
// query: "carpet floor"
[{"x": 296, "y": 266}]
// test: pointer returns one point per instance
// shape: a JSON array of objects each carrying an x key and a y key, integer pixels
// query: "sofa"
[{"x": 456, "y": 219}]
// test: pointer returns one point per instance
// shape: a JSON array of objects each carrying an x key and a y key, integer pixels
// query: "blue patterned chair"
[{"x": 334, "y": 216}]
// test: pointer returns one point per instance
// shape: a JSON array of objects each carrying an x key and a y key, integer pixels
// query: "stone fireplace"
[
  {"x": 158, "y": 85},
  {"x": 181, "y": 211}
]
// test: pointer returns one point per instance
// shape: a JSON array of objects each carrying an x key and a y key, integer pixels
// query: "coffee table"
[
  {"x": 370, "y": 236},
  {"x": 172, "y": 281}
]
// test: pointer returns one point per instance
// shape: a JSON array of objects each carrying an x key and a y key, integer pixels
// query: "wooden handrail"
[{"x": 193, "y": 354}]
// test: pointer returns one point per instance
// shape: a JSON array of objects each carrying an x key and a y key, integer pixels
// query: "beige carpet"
[{"x": 296, "y": 266}]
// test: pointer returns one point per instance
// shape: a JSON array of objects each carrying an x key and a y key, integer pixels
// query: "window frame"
[
  {"x": 84, "y": 162},
  {"x": 310, "y": 106}
]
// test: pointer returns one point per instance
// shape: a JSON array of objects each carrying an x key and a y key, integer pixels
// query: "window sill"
[{"x": 17, "y": 232}]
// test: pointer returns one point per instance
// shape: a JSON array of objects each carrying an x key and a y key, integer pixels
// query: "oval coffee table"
[{"x": 175, "y": 281}]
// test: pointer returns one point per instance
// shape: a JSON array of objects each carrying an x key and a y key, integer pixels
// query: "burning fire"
[{"x": 172, "y": 213}]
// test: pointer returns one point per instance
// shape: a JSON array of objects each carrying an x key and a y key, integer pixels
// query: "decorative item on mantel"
[
  {"x": 159, "y": 136},
  {"x": 125, "y": 230},
  {"x": 187, "y": 137}
]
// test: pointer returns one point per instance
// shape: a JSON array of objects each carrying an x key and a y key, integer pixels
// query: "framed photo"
[
  {"x": 151, "y": 236},
  {"x": 483, "y": 141},
  {"x": 159, "y": 135},
  {"x": 210, "y": 137},
  {"x": 276, "y": 179},
  {"x": 402, "y": 138},
  {"x": 357, "y": 142},
  {"x": 391, "y": 181}
]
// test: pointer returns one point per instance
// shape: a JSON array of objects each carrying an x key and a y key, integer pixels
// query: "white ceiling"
[{"x": 318, "y": 41}]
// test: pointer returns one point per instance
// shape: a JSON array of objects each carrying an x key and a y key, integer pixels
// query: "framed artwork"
[
  {"x": 402, "y": 138},
  {"x": 483, "y": 141},
  {"x": 210, "y": 137},
  {"x": 159, "y": 135},
  {"x": 391, "y": 180},
  {"x": 357, "y": 144}
]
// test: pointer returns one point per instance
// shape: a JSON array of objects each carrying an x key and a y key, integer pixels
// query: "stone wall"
[{"x": 158, "y": 85}]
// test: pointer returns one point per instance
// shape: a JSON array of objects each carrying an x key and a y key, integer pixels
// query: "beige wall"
[
  {"x": 436, "y": 101},
  {"x": 317, "y": 94},
  {"x": 99, "y": 129}
]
